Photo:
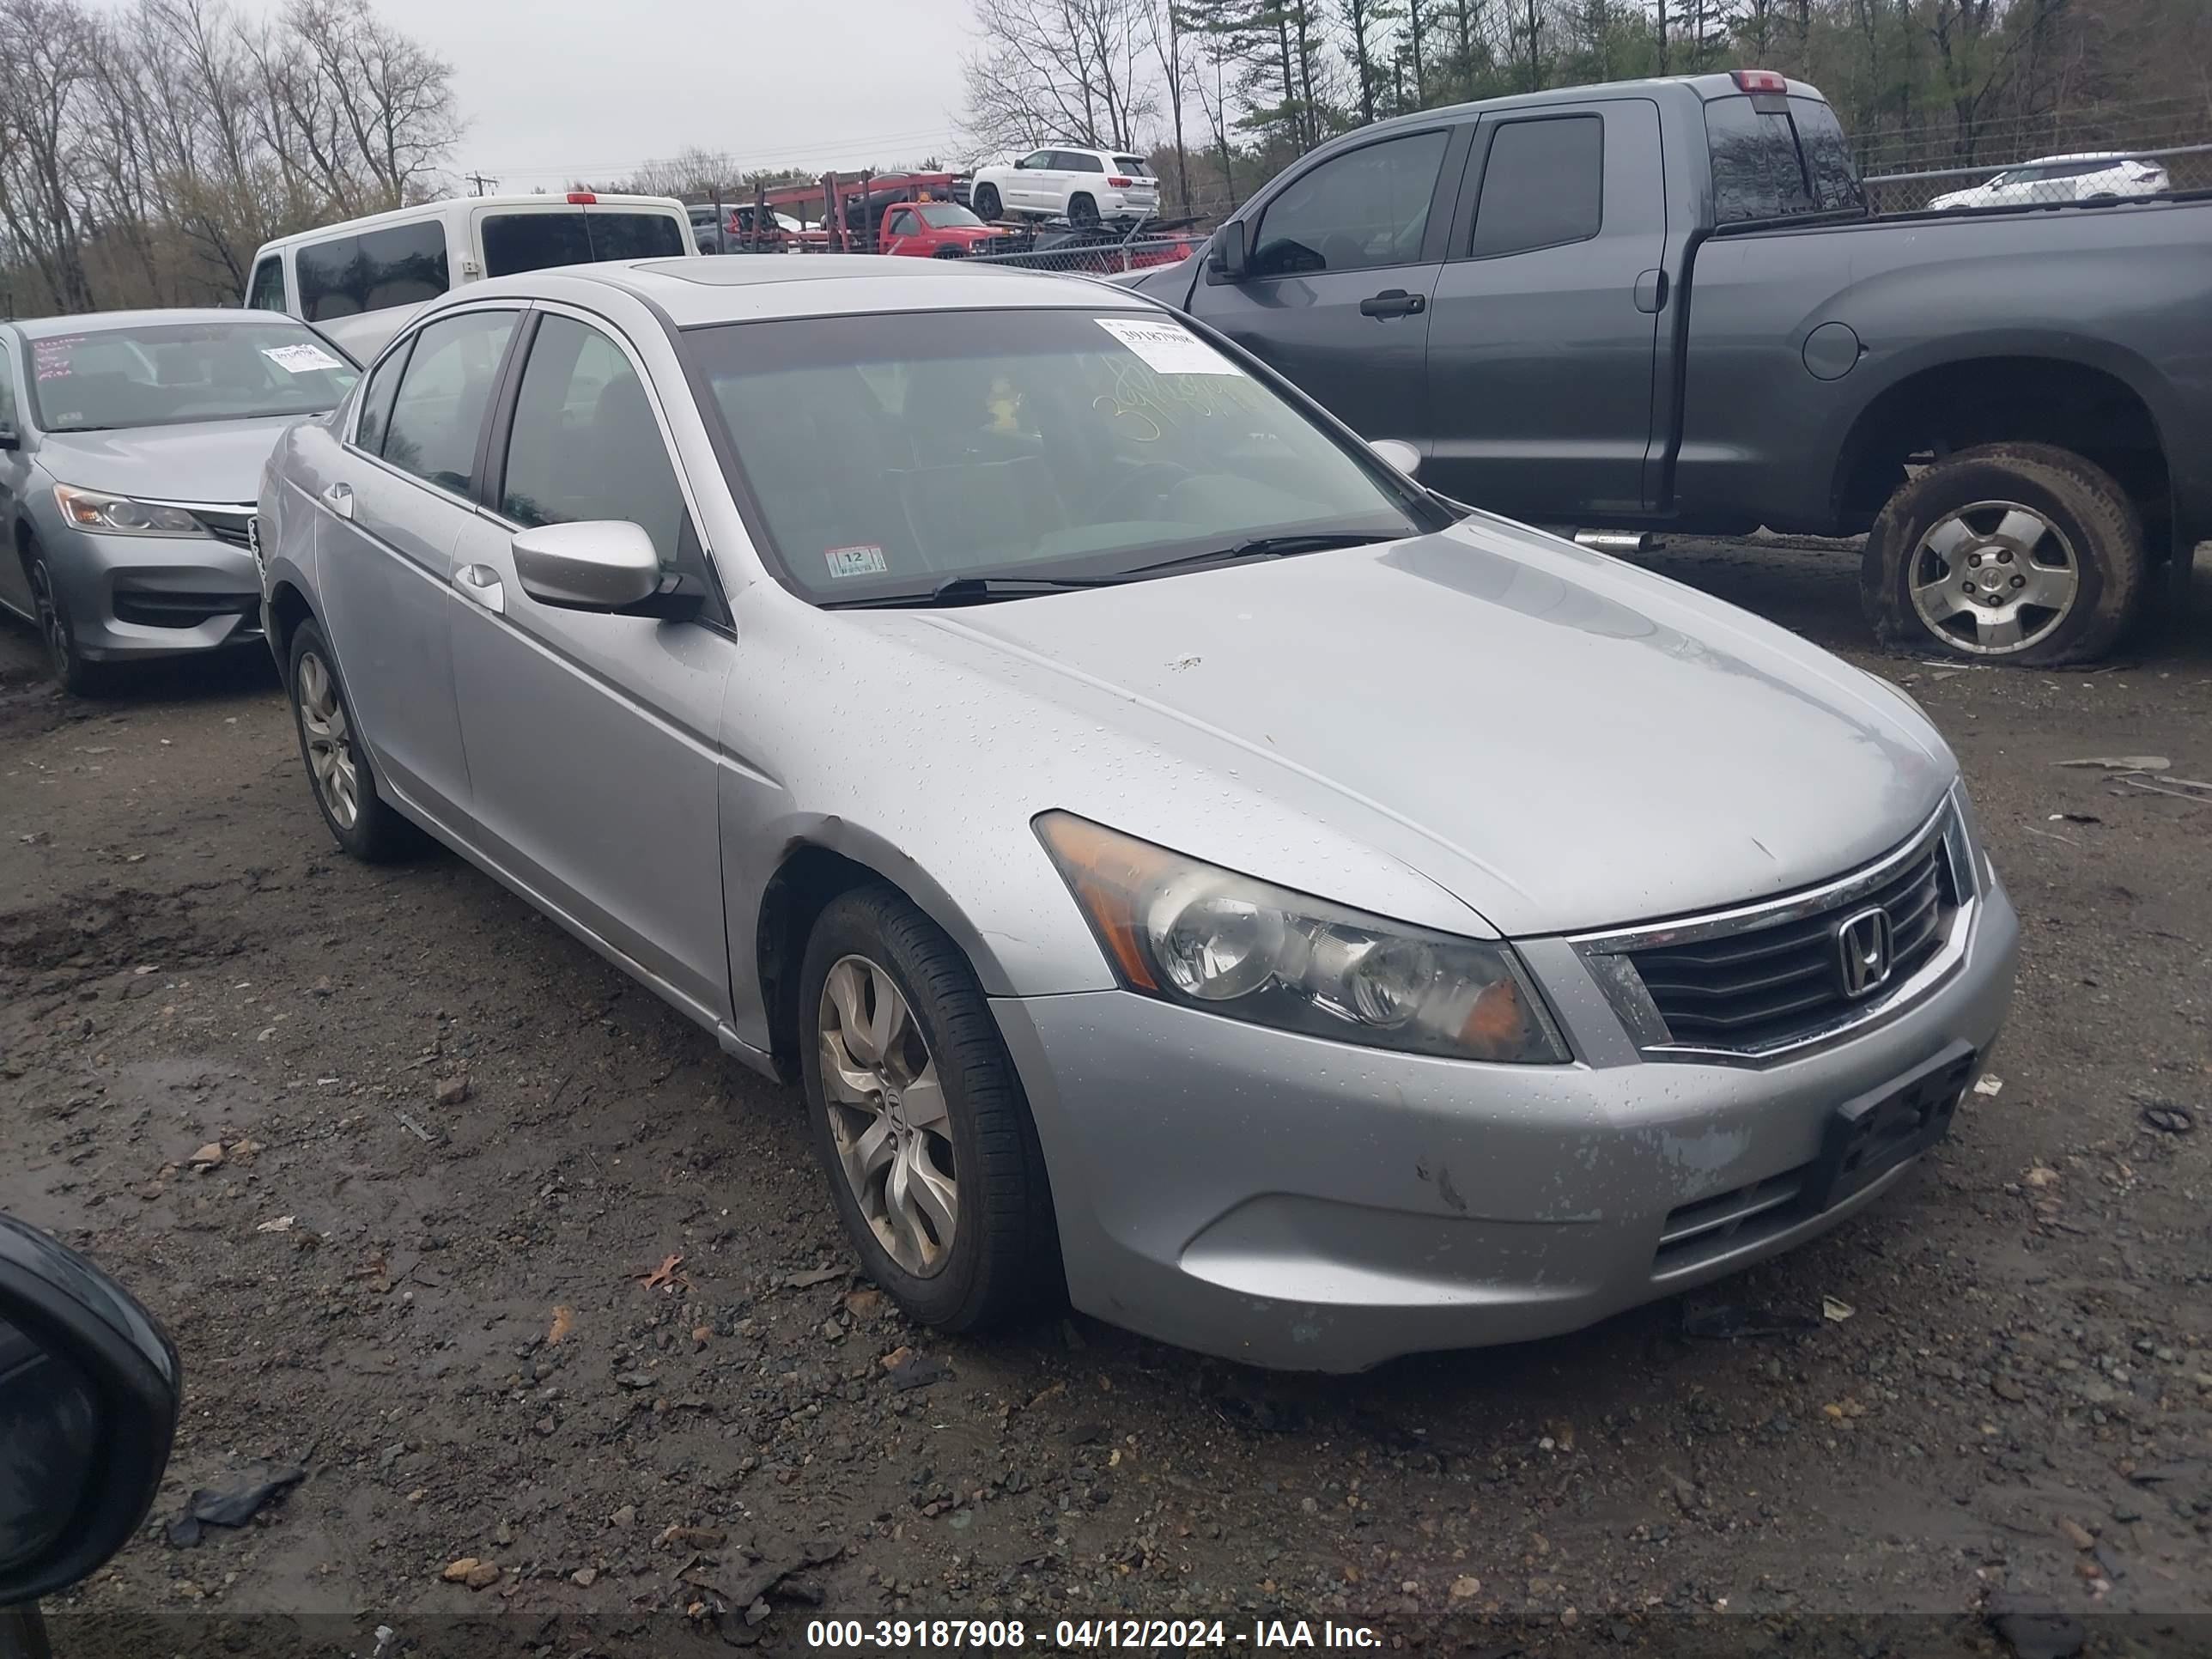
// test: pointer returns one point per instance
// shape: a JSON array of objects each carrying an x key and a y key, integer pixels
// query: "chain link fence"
[
  {"x": 2098, "y": 176},
  {"x": 1101, "y": 254}
]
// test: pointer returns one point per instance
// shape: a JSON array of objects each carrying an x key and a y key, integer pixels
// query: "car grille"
[
  {"x": 1772, "y": 977},
  {"x": 1747, "y": 990},
  {"x": 225, "y": 524}
]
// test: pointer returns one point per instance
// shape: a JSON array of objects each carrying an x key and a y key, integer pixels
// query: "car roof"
[
  {"x": 751, "y": 288},
  {"x": 108, "y": 322},
  {"x": 2081, "y": 155}
]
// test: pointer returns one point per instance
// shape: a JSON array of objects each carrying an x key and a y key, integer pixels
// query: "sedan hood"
[
  {"x": 199, "y": 461},
  {"x": 1561, "y": 741}
]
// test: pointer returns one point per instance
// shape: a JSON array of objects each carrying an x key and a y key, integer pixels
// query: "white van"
[{"x": 361, "y": 280}]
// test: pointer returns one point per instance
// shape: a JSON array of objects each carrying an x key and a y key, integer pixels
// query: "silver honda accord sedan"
[{"x": 1187, "y": 867}]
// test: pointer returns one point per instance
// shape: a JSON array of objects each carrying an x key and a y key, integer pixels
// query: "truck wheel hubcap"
[
  {"x": 1994, "y": 579},
  {"x": 887, "y": 1115}
]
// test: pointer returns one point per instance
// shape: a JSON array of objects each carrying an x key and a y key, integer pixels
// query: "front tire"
[
  {"x": 920, "y": 1120},
  {"x": 2006, "y": 553},
  {"x": 986, "y": 202},
  {"x": 78, "y": 676},
  {"x": 358, "y": 818}
]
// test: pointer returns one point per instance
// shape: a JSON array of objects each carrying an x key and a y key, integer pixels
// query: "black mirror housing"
[
  {"x": 82, "y": 1365},
  {"x": 10, "y": 438}
]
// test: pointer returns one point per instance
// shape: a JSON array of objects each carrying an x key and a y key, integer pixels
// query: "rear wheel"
[
  {"x": 920, "y": 1120},
  {"x": 986, "y": 202},
  {"x": 79, "y": 677},
  {"x": 2014, "y": 553},
  {"x": 1083, "y": 212},
  {"x": 338, "y": 765}
]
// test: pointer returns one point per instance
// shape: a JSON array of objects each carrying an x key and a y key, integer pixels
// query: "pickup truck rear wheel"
[{"x": 2017, "y": 553}]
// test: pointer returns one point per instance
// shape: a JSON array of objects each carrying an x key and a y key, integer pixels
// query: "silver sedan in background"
[
  {"x": 1187, "y": 867},
  {"x": 130, "y": 445}
]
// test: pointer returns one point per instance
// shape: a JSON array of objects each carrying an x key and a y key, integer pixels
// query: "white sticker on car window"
[
  {"x": 1168, "y": 347},
  {"x": 300, "y": 359},
  {"x": 865, "y": 560}
]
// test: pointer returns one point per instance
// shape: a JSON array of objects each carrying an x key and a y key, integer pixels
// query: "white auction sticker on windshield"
[
  {"x": 300, "y": 359},
  {"x": 1168, "y": 347},
  {"x": 865, "y": 560}
]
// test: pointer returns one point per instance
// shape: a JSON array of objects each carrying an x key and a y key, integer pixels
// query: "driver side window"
[
  {"x": 1358, "y": 211},
  {"x": 8, "y": 401}
]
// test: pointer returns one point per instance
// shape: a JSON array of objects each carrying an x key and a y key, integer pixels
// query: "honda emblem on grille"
[{"x": 1862, "y": 952}]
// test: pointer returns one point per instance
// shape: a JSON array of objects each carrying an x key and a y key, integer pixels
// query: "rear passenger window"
[
  {"x": 1366, "y": 208},
  {"x": 584, "y": 444},
  {"x": 538, "y": 240},
  {"x": 1542, "y": 186},
  {"x": 1757, "y": 173},
  {"x": 267, "y": 290},
  {"x": 437, "y": 415}
]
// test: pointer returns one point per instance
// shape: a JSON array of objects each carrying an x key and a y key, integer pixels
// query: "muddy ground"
[{"x": 445, "y": 1309}]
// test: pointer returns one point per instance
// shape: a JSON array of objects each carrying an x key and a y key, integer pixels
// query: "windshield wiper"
[
  {"x": 1269, "y": 547},
  {"x": 964, "y": 590}
]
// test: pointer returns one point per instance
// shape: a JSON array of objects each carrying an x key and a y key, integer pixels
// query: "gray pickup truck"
[{"x": 1663, "y": 305}]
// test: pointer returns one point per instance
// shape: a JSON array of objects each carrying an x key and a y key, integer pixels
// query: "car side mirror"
[
  {"x": 88, "y": 1391},
  {"x": 599, "y": 565},
  {"x": 1021, "y": 163},
  {"x": 1229, "y": 259},
  {"x": 1398, "y": 453}
]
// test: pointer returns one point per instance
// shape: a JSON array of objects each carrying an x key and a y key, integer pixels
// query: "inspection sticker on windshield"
[
  {"x": 300, "y": 359},
  {"x": 865, "y": 560},
  {"x": 1167, "y": 349}
]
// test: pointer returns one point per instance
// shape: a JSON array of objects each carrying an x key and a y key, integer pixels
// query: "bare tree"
[
  {"x": 49, "y": 53},
  {"x": 1070, "y": 71},
  {"x": 394, "y": 97},
  {"x": 1166, "y": 30}
]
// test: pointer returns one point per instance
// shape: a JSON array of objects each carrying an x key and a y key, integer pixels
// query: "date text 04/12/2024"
[{"x": 1084, "y": 1635}]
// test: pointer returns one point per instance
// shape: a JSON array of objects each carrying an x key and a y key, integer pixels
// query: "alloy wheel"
[
  {"x": 53, "y": 622},
  {"x": 1994, "y": 579},
  {"x": 330, "y": 741},
  {"x": 887, "y": 1115}
]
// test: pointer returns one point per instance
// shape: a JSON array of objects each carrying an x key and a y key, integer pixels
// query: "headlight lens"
[
  {"x": 119, "y": 515},
  {"x": 1194, "y": 933}
]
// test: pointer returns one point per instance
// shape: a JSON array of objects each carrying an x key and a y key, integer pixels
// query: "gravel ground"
[{"x": 520, "y": 1272}]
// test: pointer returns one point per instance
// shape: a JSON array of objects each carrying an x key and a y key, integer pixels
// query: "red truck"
[{"x": 940, "y": 230}]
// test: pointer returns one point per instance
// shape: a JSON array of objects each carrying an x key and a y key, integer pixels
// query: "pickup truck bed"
[{"x": 1661, "y": 305}]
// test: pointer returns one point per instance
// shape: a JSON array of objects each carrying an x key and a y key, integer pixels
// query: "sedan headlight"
[
  {"x": 119, "y": 515},
  {"x": 1208, "y": 937}
]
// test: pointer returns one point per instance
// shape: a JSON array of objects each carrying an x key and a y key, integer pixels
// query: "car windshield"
[
  {"x": 166, "y": 373},
  {"x": 892, "y": 455},
  {"x": 946, "y": 216}
]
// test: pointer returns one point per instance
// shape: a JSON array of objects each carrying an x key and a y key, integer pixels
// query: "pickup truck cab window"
[
  {"x": 1543, "y": 185},
  {"x": 1357, "y": 211}
]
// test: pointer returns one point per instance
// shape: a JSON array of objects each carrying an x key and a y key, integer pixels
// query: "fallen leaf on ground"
[
  {"x": 564, "y": 1321},
  {"x": 663, "y": 1276}
]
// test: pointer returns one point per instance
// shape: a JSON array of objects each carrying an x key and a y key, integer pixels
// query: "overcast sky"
[{"x": 555, "y": 90}]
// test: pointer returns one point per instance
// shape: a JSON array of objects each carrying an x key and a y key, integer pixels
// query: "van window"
[
  {"x": 533, "y": 240},
  {"x": 374, "y": 270},
  {"x": 267, "y": 291}
]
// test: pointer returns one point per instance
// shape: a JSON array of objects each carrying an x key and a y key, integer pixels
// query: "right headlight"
[
  {"x": 1194, "y": 933},
  {"x": 119, "y": 515}
]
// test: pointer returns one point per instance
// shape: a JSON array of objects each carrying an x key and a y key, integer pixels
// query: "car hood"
[
  {"x": 196, "y": 461},
  {"x": 1559, "y": 741}
]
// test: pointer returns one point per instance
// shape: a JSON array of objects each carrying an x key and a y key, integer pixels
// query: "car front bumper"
[
  {"x": 138, "y": 597},
  {"x": 1306, "y": 1205}
]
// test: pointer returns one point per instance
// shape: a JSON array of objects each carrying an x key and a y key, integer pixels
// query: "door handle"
[
  {"x": 479, "y": 583},
  {"x": 1393, "y": 303},
  {"x": 339, "y": 497},
  {"x": 1651, "y": 291}
]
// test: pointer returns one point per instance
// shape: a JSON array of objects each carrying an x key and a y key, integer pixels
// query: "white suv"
[{"x": 1084, "y": 185}]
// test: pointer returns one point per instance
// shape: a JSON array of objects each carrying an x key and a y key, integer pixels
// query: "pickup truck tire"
[
  {"x": 2010, "y": 553},
  {"x": 986, "y": 202}
]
